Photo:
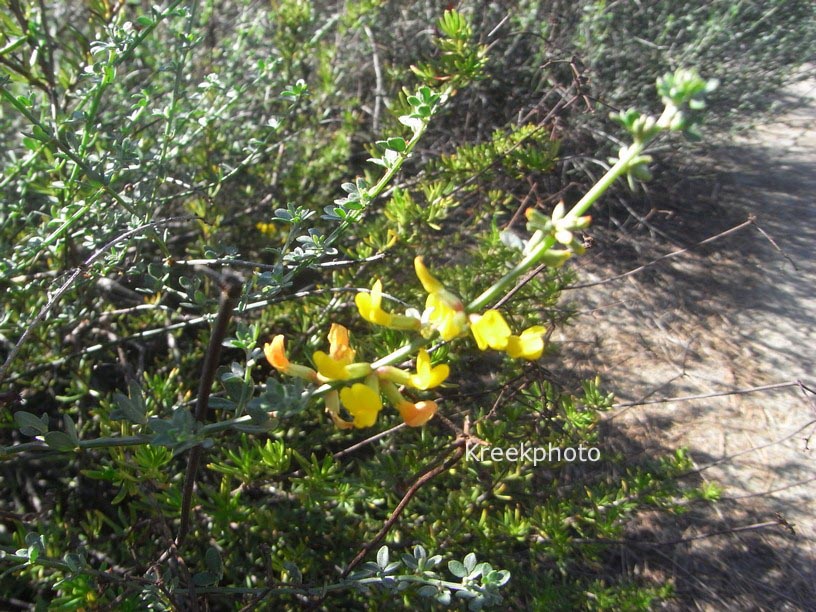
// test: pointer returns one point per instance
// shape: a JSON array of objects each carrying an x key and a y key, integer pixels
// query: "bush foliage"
[{"x": 175, "y": 173}]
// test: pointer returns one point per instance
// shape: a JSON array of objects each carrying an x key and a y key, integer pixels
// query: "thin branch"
[
  {"x": 67, "y": 285},
  {"x": 231, "y": 288},
  {"x": 734, "y": 229},
  {"x": 412, "y": 491},
  {"x": 746, "y": 451},
  {"x": 379, "y": 90},
  {"x": 776, "y": 246},
  {"x": 686, "y": 398}
]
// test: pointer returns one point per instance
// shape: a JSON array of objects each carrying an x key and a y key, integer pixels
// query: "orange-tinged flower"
[
  {"x": 416, "y": 415},
  {"x": 490, "y": 330},
  {"x": 428, "y": 377},
  {"x": 275, "y": 353},
  {"x": 339, "y": 348},
  {"x": 530, "y": 345},
  {"x": 339, "y": 363}
]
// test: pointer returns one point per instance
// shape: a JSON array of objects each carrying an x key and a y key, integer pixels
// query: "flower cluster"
[
  {"x": 446, "y": 315},
  {"x": 362, "y": 399},
  {"x": 359, "y": 387}
]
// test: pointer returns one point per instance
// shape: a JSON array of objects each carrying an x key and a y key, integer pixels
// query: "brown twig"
[
  {"x": 686, "y": 398},
  {"x": 776, "y": 246},
  {"x": 457, "y": 454},
  {"x": 734, "y": 229},
  {"x": 231, "y": 288}
]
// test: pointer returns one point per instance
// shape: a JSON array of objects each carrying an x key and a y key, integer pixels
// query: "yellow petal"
[
  {"x": 445, "y": 314},
  {"x": 328, "y": 368},
  {"x": 426, "y": 376},
  {"x": 430, "y": 284},
  {"x": 490, "y": 330},
  {"x": 530, "y": 345},
  {"x": 416, "y": 415},
  {"x": 369, "y": 305},
  {"x": 363, "y": 403}
]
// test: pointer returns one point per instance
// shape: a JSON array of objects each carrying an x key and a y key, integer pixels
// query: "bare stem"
[{"x": 230, "y": 292}]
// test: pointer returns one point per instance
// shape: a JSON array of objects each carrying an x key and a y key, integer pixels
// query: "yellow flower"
[
  {"x": 369, "y": 305},
  {"x": 444, "y": 311},
  {"x": 339, "y": 363},
  {"x": 266, "y": 228},
  {"x": 339, "y": 348},
  {"x": 426, "y": 376},
  {"x": 530, "y": 345},
  {"x": 363, "y": 402},
  {"x": 416, "y": 415},
  {"x": 275, "y": 353},
  {"x": 490, "y": 330}
]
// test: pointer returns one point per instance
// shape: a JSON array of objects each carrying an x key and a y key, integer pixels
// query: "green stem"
[{"x": 581, "y": 207}]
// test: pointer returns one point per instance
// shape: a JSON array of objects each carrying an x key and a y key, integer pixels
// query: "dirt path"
[{"x": 732, "y": 315}]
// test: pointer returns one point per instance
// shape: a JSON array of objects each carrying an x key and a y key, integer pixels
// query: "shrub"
[{"x": 171, "y": 169}]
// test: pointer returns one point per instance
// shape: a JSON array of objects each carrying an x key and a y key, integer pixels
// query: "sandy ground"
[{"x": 736, "y": 314}]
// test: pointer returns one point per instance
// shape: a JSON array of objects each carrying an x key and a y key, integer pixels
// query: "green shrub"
[{"x": 167, "y": 165}]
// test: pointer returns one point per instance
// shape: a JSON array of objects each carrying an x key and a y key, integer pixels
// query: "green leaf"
[
  {"x": 397, "y": 144},
  {"x": 457, "y": 569},
  {"x": 70, "y": 429},
  {"x": 212, "y": 559},
  {"x": 74, "y": 561},
  {"x": 29, "y": 424},
  {"x": 222, "y": 403},
  {"x": 382, "y": 557},
  {"x": 470, "y": 562},
  {"x": 59, "y": 441},
  {"x": 127, "y": 411}
]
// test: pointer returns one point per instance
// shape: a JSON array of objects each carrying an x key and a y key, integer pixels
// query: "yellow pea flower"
[
  {"x": 339, "y": 348},
  {"x": 428, "y": 377},
  {"x": 339, "y": 363},
  {"x": 362, "y": 402},
  {"x": 490, "y": 330},
  {"x": 370, "y": 307},
  {"x": 530, "y": 345},
  {"x": 275, "y": 353},
  {"x": 444, "y": 311}
]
